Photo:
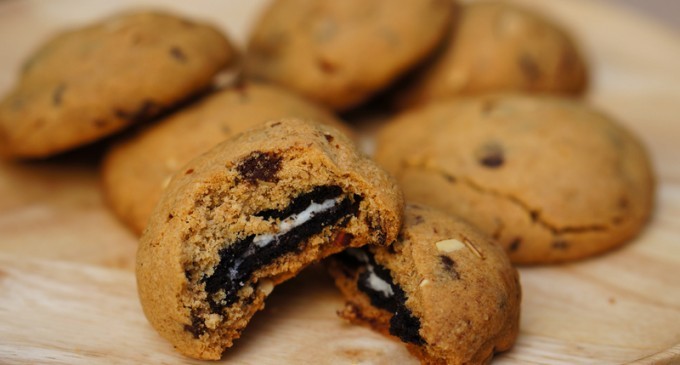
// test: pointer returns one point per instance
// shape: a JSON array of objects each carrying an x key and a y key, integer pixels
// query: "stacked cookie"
[{"x": 237, "y": 188}]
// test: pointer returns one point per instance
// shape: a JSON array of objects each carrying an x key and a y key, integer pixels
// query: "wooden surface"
[{"x": 67, "y": 290}]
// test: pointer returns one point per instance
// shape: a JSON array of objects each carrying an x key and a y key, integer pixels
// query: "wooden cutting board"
[{"x": 67, "y": 289}]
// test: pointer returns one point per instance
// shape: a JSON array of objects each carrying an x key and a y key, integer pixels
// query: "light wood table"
[{"x": 67, "y": 289}]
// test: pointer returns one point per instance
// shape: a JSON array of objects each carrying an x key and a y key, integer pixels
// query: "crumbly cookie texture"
[
  {"x": 88, "y": 83},
  {"x": 551, "y": 179},
  {"x": 499, "y": 46},
  {"x": 340, "y": 53},
  {"x": 137, "y": 169},
  {"x": 249, "y": 214},
  {"x": 443, "y": 288}
]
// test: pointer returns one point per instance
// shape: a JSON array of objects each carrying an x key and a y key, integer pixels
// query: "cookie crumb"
[{"x": 266, "y": 286}]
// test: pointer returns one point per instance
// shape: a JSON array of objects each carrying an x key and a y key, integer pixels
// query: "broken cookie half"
[
  {"x": 249, "y": 214},
  {"x": 444, "y": 289}
]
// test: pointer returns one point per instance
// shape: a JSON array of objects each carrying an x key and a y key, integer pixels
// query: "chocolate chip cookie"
[
  {"x": 443, "y": 288},
  {"x": 249, "y": 214},
  {"x": 137, "y": 169},
  {"x": 499, "y": 46},
  {"x": 551, "y": 179},
  {"x": 88, "y": 83},
  {"x": 339, "y": 53}
]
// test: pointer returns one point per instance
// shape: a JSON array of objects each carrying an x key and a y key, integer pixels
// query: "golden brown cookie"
[
  {"x": 339, "y": 53},
  {"x": 249, "y": 214},
  {"x": 551, "y": 179},
  {"x": 443, "y": 288},
  {"x": 136, "y": 170},
  {"x": 88, "y": 83},
  {"x": 499, "y": 46}
]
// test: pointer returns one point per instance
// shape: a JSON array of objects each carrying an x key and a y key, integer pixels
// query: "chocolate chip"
[
  {"x": 260, "y": 166},
  {"x": 147, "y": 109},
  {"x": 514, "y": 245},
  {"x": 491, "y": 155},
  {"x": 329, "y": 138},
  {"x": 560, "y": 245},
  {"x": 450, "y": 266},
  {"x": 529, "y": 68},
  {"x": 189, "y": 172},
  {"x": 326, "y": 66},
  {"x": 533, "y": 215},
  {"x": 58, "y": 94},
  {"x": 178, "y": 54}
]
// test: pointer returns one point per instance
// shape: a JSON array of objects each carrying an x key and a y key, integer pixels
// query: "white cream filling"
[
  {"x": 294, "y": 221},
  {"x": 378, "y": 284},
  {"x": 284, "y": 226},
  {"x": 374, "y": 281}
]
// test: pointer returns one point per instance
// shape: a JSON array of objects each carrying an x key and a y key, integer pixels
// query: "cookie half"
[
  {"x": 249, "y": 214},
  {"x": 443, "y": 288},
  {"x": 499, "y": 46},
  {"x": 339, "y": 53},
  {"x": 137, "y": 169},
  {"x": 88, "y": 83},
  {"x": 551, "y": 179}
]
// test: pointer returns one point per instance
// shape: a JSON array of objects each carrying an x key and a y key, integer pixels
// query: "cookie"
[
  {"x": 340, "y": 53},
  {"x": 443, "y": 288},
  {"x": 551, "y": 179},
  {"x": 499, "y": 46},
  {"x": 90, "y": 82},
  {"x": 249, "y": 214},
  {"x": 136, "y": 170}
]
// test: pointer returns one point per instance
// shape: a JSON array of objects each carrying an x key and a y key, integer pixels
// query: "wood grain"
[{"x": 68, "y": 290}]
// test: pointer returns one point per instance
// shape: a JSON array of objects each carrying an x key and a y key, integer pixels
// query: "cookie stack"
[{"x": 487, "y": 158}]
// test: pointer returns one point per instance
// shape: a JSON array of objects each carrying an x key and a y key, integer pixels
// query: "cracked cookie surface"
[
  {"x": 137, "y": 169},
  {"x": 551, "y": 179},
  {"x": 443, "y": 288},
  {"x": 340, "y": 53},
  {"x": 249, "y": 214},
  {"x": 498, "y": 46},
  {"x": 88, "y": 83}
]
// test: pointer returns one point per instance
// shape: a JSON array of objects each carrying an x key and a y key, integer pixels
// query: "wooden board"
[{"x": 68, "y": 292}]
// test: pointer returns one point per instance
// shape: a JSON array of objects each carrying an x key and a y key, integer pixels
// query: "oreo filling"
[
  {"x": 376, "y": 282},
  {"x": 307, "y": 215}
]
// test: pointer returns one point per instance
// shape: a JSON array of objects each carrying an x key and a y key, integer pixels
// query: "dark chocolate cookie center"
[
  {"x": 376, "y": 282},
  {"x": 307, "y": 215}
]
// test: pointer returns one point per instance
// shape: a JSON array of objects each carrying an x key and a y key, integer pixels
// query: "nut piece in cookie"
[
  {"x": 499, "y": 46},
  {"x": 137, "y": 169},
  {"x": 249, "y": 214},
  {"x": 340, "y": 53},
  {"x": 551, "y": 179},
  {"x": 91, "y": 82},
  {"x": 443, "y": 288}
]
